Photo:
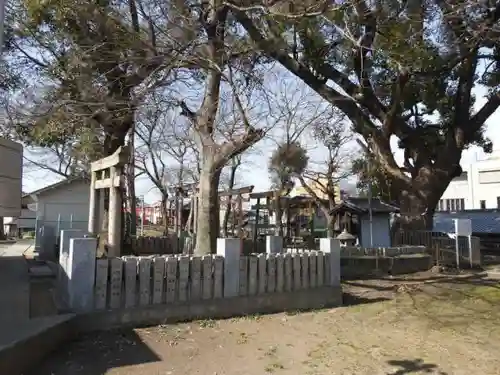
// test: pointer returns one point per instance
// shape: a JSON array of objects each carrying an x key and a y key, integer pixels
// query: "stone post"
[
  {"x": 47, "y": 249},
  {"x": 229, "y": 248},
  {"x": 81, "y": 273},
  {"x": 38, "y": 233},
  {"x": 274, "y": 244},
  {"x": 62, "y": 275},
  {"x": 331, "y": 246},
  {"x": 114, "y": 216},
  {"x": 95, "y": 205}
]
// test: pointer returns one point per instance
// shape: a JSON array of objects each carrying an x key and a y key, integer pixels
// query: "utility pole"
[{"x": 369, "y": 173}]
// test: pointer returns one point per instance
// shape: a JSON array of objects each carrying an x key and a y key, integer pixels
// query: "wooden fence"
[
  {"x": 155, "y": 245},
  {"x": 141, "y": 246}
]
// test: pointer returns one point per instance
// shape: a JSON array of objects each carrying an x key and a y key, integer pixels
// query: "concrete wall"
[
  {"x": 11, "y": 166},
  {"x": 316, "y": 298},
  {"x": 354, "y": 251},
  {"x": 358, "y": 262},
  {"x": 367, "y": 266},
  {"x": 34, "y": 341}
]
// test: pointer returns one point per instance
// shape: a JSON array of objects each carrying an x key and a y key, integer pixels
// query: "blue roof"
[{"x": 482, "y": 221}]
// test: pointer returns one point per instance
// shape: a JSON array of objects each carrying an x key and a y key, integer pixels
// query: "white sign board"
[
  {"x": 463, "y": 227},
  {"x": 11, "y": 170}
]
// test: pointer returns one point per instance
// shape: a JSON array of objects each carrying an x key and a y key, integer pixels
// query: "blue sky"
[{"x": 254, "y": 169}]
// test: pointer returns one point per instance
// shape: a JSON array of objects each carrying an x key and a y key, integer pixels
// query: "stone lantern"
[{"x": 346, "y": 239}]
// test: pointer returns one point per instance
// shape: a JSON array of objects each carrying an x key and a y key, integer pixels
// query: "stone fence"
[
  {"x": 350, "y": 251},
  {"x": 140, "y": 281},
  {"x": 87, "y": 284},
  {"x": 355, "y": 267}
]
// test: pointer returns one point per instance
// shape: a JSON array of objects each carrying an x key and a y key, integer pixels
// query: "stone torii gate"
[{"x": 107, "y": 173}]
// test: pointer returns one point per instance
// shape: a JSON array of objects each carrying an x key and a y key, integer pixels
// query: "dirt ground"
[{"x": 416, "y": 325}]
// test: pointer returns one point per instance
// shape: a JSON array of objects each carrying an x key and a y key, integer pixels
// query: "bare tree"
[
  {"x": 58, "y": 159},
  {"x": 322, "y": 177},
  {"x": 295, "y": 109},
  {"x": 225, "y": 63},
  {"x": 164, "y": 151},
  {"x": 319, "y": 169}
]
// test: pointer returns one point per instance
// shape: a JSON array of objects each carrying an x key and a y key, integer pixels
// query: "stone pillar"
[
  {"x": 47, "y": 250},
  {"x": 229, "y": 248},
  {"x": 331, "y": 246},
  {"x": 81, "y": 273},
  {"x": 95, "y": 205},
  {"x": 38, "y": 233},
  {"x": 114, "y": 216},
  {"x": 274, "y": 244},
  {"x": 62, "y": 275}
]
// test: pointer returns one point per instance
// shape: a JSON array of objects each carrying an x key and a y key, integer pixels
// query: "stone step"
[{"x": 41, "y": 271}]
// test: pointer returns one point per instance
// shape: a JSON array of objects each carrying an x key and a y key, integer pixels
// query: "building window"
[
  {"x": 457, "y": 204},
  {"x": 498, "y": 202},
  {"x": 489, "y": 177},
  {"x": 482, "y": 204},
  {"x": 460, "y": 204}
]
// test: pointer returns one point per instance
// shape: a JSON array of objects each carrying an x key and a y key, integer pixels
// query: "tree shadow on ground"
[
  {"x": 407, "y": 366},
  {"x": 474, "y": 278},
  {"x": 387, "y": 284},
  {"x": 350, "y": 299},
  {"x": 379, "y": 288},
  {"x": 97, "y": 354}
]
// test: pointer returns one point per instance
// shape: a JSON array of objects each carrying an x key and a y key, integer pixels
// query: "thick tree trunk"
[
  {"x": 208, "y": 227},
  {"x": 330, "y": 226},
  {"x": 278, "y": 212},
  {"x": 416, "y": 213},
  {"x": 418, "y": 204}
]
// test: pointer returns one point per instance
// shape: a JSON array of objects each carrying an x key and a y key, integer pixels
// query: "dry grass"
[{"x": 441, "y": 328}]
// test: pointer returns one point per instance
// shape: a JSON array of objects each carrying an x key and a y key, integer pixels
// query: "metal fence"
[{"x": 442, "y": 247}]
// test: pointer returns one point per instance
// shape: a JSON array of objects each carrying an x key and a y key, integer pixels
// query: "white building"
[
  {"x": 477, "y": 188},
  {"x": 62, "y": 205}
]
